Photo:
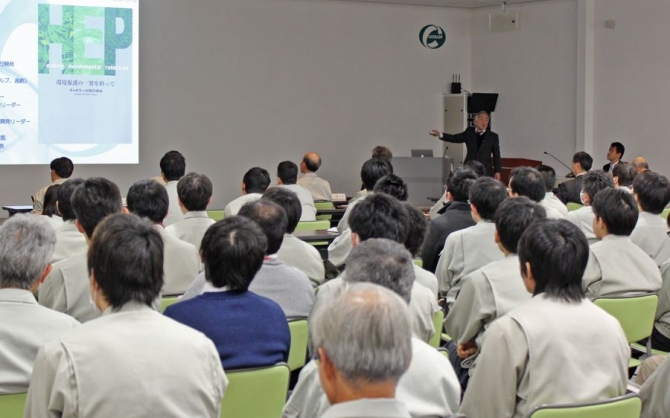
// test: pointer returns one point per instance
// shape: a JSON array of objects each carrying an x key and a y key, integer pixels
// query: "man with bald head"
[
  {"x": 640, "y": 164},
  {"x": 319, "y": 187}
]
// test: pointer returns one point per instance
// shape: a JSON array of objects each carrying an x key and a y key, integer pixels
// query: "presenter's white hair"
[{"x": 365, "y": 332}]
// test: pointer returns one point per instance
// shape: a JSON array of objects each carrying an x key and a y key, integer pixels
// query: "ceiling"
[{"x": 468, "y": 4}]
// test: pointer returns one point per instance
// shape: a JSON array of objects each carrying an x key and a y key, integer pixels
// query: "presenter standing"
[{"x": 480, "y": 141}]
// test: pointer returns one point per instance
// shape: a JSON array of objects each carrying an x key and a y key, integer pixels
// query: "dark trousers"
[
  {"x": 659, "y": 341},
  {"x": 462, "y": 373}
]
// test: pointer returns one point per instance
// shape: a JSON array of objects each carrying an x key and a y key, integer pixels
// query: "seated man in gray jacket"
[
  {"x": 429, "y": 388},
  {"x": 617, "y": 267},
  {"x": 194, "y": 193},
  {"x": 652, "y": 194},
  {"x": 593, "y": 182},
  {"x": 26, "y": 244}
]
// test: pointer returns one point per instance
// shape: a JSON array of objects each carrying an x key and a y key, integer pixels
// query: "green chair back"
[
  {"x": 257, "y": 393},
  {"x": 418, "y": 262},
  {"x": 167, "y": 301},
  {"x": 665, "y": 213},
  {"x": 297, "y": 355},
  {"x": 627, "y": 406},
  {"x": 12, "y": 406},
  {"x": 573, "y": 206},
  {"x": 216, "y": 214},
  {"x": 323, "y": 205},
  {"x": 438, "y": 318},
  {"x": 312, "y": 225},
  {"x": 635, "y": 314}
]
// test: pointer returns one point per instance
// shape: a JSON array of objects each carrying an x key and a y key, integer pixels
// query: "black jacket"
[
  {"x": 456, "y": 217},
  {"x": 490, "y": 145},
  {"x": 569, "y": 190}
]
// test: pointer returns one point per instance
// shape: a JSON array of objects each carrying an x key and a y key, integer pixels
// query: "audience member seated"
[
  {"x": 441, "y": 205},
  {"x": 390, "y": 184},
  {"x": 294, "y": 251},
  {"x": 640, "y": 164},
  {"x": 556, "y": 348},
  {"x": 660, "y": 336},
  {"x": 26, "y": 245},
  {"x": 654, "y": 391},
  {"x": 173, "y": 167},
  {"x": 550, "y": 200},
  {"x": 528, "y": 182},
  {"x": 148, "y": 199},
  {"x": 382, "y": 216},
  {"x": 60, "y": 169},
  {"x": 570, "y": 190},
  {"x": 50, "y": 209},
  {"x": 254, "y": 183},
  {"x": 319, "y": 187},
  {"x": 623, "y": 175},
  {"x": 493, "y": 290},
  {"x": 69, "y": 241},
  {"x": 195, "y": 193},
  {"x": 67, "y": 288},
  {"x": 652, "y": 194},
  {"x": 594, "y": 181},
  {"x": 287, "y": 176},
  {"x": 614, "y": 156},
  {"x": 471, "y": 248},
  {"x": 383, "y": 153},
  {"x": 362, "y": 340},
  {"x": 429, "y": 388},
  {"x": 456, "y": 216},
  {"x": 616, "y": 266},
  {"x": 248, "y": 330},
  {"x": 415, "y": 236},
  {"x": 132, "y": 361},
  {"x": 371, "y": 171}
]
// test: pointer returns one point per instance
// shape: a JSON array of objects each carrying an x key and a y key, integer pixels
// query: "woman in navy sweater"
[{"x": 248, "y": 330}]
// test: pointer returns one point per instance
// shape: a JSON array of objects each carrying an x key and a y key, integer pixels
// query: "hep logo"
[{"x": 432, "y": 37}]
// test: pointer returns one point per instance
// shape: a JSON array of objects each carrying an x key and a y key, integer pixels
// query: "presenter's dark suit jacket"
[
  {"x": 569, "y": 190},
  {"x": 490, "y": 146}
]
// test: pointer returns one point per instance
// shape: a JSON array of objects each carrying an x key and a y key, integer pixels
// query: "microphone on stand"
[{"x": 570, "y": 175}]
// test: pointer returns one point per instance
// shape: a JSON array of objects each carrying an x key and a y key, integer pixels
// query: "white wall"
[
  {"x": 534, "y": 70},
  {"x": 238, "y": 83},
  {"x": 632, "y": 91}
]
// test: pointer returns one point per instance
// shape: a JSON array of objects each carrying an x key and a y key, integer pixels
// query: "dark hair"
[
  {"x": 528, "y": 182},
  {"x": 382, "y": 153},
  {"x": 93, "y": 200},
  {"x": 392, "y": 185},
  {"x": 194, "y": 191},
  {"x": 486, "y": 194},
  {"x": 618, "y": 146},
  {"x": 584, "y": 160},
  {"x": 272, "y": 220},
  {"x": 64, "y": 195},
  {"x": 173, "y": 165},
  {"x": 380, "y": 216},
  {"x": 288, "y": 201},
  {"x": 49, "y": 201},
  {"x": 459, "y": 183},
  {"x": 126, "y": 257},
  {"x": 652, "y": 191},
  {"x": 63, "y": 167},
  {"x": 374, "y": 169},
  {"x": 256, "y": 180},
  {"x": 148, "y": 199},
  {"x": 416, "y": 232},
  {"x": 477, "y": 167},
  {"x": 287, "y": 172},
  {"x": 312, "y": 164},
  {"x": 557, "y": 252},
  {"x": 233, "y": 250},
  {"x": 549, "y": 176},
  {"x": 625, "y": 173},
  {"x": 617, "y": 209},
  {"x": 513, "y": 217},
  {"x": 595, "y": 181}
]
